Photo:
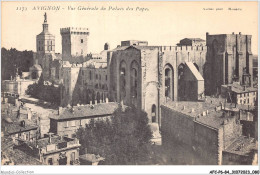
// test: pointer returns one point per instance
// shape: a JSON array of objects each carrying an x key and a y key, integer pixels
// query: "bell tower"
[
  {"x": 45, "y": 41},
  {"x": 45, "y": 47}
]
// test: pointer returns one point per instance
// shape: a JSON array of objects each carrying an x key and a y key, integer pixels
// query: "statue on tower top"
[{"x": 45, "y": 17}]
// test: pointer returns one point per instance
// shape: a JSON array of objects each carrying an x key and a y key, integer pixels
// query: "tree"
[
  {"x": 124, "y": 139},
  {"x": 12, "y": 59},
  {"x": 48, "y": 93}
]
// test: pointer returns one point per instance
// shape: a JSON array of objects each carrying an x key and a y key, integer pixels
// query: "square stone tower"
[
  {"x": 74, "y": 42},
  {"x": 229, "y": 59}
]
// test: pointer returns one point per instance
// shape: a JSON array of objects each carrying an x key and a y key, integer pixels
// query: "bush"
[{"x": 48, "y": 93}]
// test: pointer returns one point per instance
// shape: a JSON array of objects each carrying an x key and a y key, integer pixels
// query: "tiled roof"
[
  {"x": 120, "y": 48},
  {"x": 242, "y": 146},
  {"x": 194, "y": 109},
  {"x": 16, "y": 128},
  {"x": 16, "y": 155},
  {"x": 214, "y": 119},
  {"x": 86, "y": 111},
  {"x": 236, "y": 87}
]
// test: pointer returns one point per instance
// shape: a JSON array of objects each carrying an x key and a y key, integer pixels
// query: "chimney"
[
  {"x": 106, "y": 100},
  {"x": 59, "y": 110},
  {"x": 72, "y": 109},
  {"x": 106, "y": 46},
  {"x": 222, "y": 107},
  {"x": 247, "y": 116},
  {"x": 239, "y": 33},
  {"x": 50, "y": 135}
]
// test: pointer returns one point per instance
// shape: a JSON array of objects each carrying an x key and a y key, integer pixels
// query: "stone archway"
[
  {"x": 122, "y": 81},
  {"x": 134, "y": 68},
  {"x": 169, "y": 82},
  {"x": 181, "y": 83}
]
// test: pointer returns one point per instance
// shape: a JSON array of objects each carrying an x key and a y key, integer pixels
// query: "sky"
[{"x": 159, "y": 23}]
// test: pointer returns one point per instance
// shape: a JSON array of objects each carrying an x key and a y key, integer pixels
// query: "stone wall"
[
  {"x": 206, "y": 143},
  {"x": 176, "y": 127}
]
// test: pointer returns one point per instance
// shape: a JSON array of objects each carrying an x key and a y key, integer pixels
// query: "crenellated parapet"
[
  {"x": 74, "y": 30},
  {"x": 182, "y": 48}
]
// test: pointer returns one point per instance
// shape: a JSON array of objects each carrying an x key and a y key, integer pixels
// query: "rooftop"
[
  {"x": 195, "y": 39},
  {"x": 55, "y": 139},
  {"x": 243, "y": 146},
  {"x": 16, "y": 128},
  {"x": 208, "y": 112},
  {"x": 236, "y": 87},
  {"x": 86, "y": 111},
  {"x": 18, "y": 156},
  {"x": 52, "y": 144},
  {"x": 215, "y": 119}
]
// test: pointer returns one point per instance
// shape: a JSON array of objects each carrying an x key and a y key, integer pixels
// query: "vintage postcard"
[{"x": 129, "y": 83}]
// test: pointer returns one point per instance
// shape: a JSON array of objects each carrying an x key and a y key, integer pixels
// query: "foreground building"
[
  {"x": 70, "y": 119},
  {"x": 196, "y": 125},
  {"x": 57, "y": 150}
]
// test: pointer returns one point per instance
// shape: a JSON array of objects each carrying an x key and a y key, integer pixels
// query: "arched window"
[
  {"x": 134, "y": 82},
  {"x": 122, "y": 80},
  {"x": 168, "y": 81},
  {"x": 153, "y": 113},
  {"x": 181, "y": 81}
]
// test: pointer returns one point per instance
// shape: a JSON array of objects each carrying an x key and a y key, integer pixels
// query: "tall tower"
[
  {"x": 229, "y": 59},
  {"x": 45, "y": 46},
  {"x": 45, "y": 41},
  {"x": 74, "y": 43}
]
